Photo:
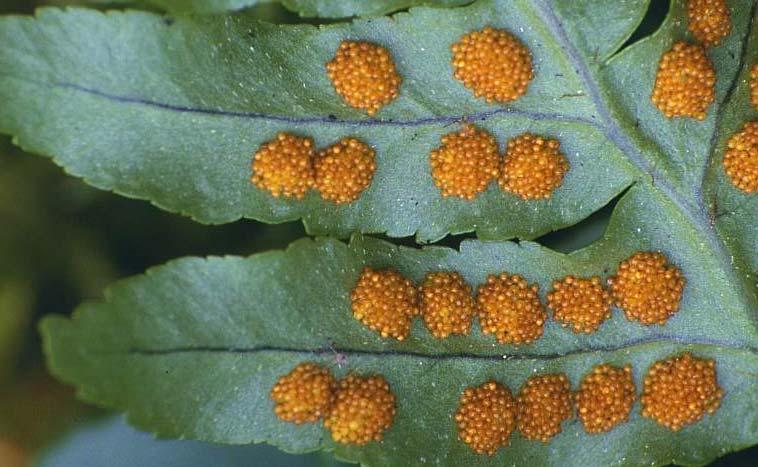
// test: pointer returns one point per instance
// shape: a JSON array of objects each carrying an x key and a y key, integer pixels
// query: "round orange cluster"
[
  {"x": 486, "y": 417},
  {"x": 605, "y": 398},
  {"x": 544, "y": 403},
  {"x": 304, "y": 394},
  {"x": 283, "y": 166},
  {"x": 580, "y": 303},
  {"x": 533, "y": 167},
  {"x": 710, "y": 20},
  {"x": 741, "y": 158},
  {"x": 493, "y": 64},
  {"x": 385, "y": 301},
  {"x": 446, "y": 304},
  {"x": 510, "y": 309},
  {"x": 685, "y": 83},
  {"x": 344, "y": 170},
  {"x": 680, "y": 390},
  {"x": 364, "y": 75},
  {"x": 647, "y": 288},
  {"x": 363, "y": 410},
  {"x": 754, "y": 85},
  {"x": 466, "y": 162}
]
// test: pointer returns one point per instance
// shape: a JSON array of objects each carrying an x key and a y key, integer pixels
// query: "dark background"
[{"x": 62, "y": 242}]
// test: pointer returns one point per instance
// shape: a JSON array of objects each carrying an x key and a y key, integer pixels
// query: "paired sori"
[
  {"x": 290, "y": 166},
  {"x": 646, "y": 287},
  {"x": 355, "y": 409},
  {"x": 462, "y": 166},
  {"x": 677, "y": 391},
  {"x": 497, "y": 67},
  {"x": 468, "y": 160}
]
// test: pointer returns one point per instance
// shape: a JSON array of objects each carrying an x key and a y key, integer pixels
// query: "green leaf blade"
[
  {"x": 186, "y": 137},
  {"x": 246, "y": 322},
  {"x": 229, "y": 403},
  {"x": 312, "y": 281},
  {"x": 734, "y": 212},
  {"x": 583, "y": 20},
  {"x": 677, "y": 149}
]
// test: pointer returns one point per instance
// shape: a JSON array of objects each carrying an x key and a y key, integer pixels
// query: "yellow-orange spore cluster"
[
  {"x": 680, "y": 390},
  {"x": 544, "y": 403},
  {"x": 385, "y": 301},
  {"x": 447, "y": 305},
  {"x": 363, "y": 409},
  {"x": 647, "y": 288},
  {"x": 304, "y": 394},
  {"x": 710, "y": 20},
  {"x": 466, "y": 162},
  {"x": 533, "y": 167},
  {"x": 605, "y": 398},
  {"x": 741, "y": 158},
  {"x": 510, "y": 308},
  {"x": 284, "y": 167},
  {"x": 582, "y": 304},
  {"x": 493, "y": 64},
  {"x": 364, "y": 74},
  {"x": 754, "y": 85},
  {"x": 685, "y": 83},
  {"x": 486, "y": 417},
  {"x": 344, "y": 170}
]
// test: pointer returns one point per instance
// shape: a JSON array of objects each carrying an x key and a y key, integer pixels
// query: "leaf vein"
[
  {"x": 426, "y": 121},
  {"x": 333, "y": 350},
  {"x": 727, "y": 99}
]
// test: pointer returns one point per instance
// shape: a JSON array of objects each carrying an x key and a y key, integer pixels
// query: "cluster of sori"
[
  {"x": 646, "y": 287},
  {"x": 356, "y": 409},
  {"x": 686, "y": 80},
  {"x": 676, "y": 392},
  {"x": 468, "y": 160},
  {"x": 741, "y": 158},
  {"x": 685, "y": 86},
  {"x": 492, "y": 63},
  {"x": 497, "y": 67},
  {"x": 290, "y": 166},
  {"x": 463, "y": 166}
]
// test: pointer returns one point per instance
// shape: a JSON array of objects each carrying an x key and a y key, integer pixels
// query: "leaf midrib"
[
  {"x": 434, "y": 120},
  {"x": 335, "y": 350}
]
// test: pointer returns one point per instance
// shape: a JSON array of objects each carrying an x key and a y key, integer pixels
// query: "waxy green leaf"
[
  {"x": 173, "y": 114},
  {"x": 192, "y": 349}
]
